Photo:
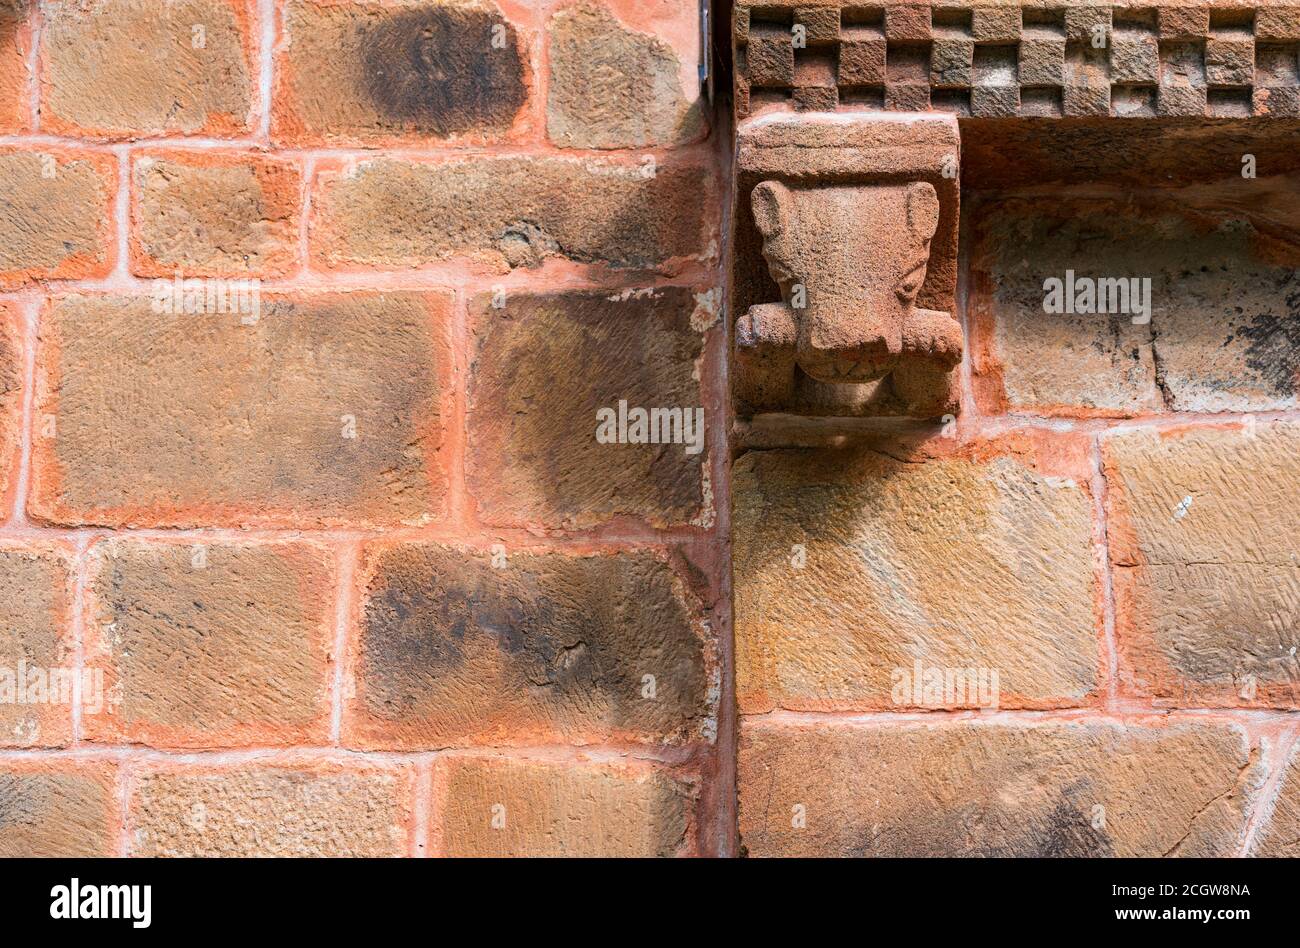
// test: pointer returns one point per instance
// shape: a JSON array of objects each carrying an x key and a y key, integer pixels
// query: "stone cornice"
[{"x": 992, "y": 60}]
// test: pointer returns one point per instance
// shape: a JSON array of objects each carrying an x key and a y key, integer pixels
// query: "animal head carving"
[{"x": 850, "y": 261}]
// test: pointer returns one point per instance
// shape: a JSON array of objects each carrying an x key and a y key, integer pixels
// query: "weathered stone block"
[
  {"x": 502, "y": 807},
  {"x": 310, "y": 409},
  {"x": 37, "y": 666},
  {"x": 851, "y": 567},
  {"x": 513, "y": 211},
  {"x": 15, "y": 40},
  {"x": 210, "y": 644},
  {"x": 1214, "y": 339},
  {"x": 1206, "y": 560},
  {"x": 214, "y": 214},
  {"x": 969, "y": 788},
  {"x": 464, "y": 648},
  {"x": 374, "y": 73},
  {"x": 628, "y": 441},
  {"x": 56, "y": 220},
  {"x": 65, "y": 808},
  {"x": 272, "y": 809},
  {"x": 613, "y": 85},
  {"x": 193, "y": 75}
]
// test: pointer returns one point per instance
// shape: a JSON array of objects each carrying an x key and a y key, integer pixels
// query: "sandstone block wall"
[
  {"x": 324, "y": 530},
  {"x": 341, "y": 569}
]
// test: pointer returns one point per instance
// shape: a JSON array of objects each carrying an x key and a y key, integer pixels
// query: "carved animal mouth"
[{"x": 849, "y": 369}]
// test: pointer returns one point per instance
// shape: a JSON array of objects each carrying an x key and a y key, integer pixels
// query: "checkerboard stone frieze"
[{"x": 1030, "y": 59}]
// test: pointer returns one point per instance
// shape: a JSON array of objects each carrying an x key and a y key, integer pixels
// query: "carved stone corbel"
[{"x": 844, "y": 273}]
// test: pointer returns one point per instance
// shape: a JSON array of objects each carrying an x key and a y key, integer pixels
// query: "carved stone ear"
[
  {"x": 922, "y": 210},
  {"x": 771, "y": 202}
]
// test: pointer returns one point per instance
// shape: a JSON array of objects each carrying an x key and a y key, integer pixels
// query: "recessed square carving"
[
  {"x": 1229, "y": 103},
  {"x": 1133, "y": 101},
  {"x": 1041, "y": 103},
  {"x": 1182, "y": 65},
  {"x": 1277, "y": 65},
  {"x": 951, "y": 23},
  {"x": 908, "y": 63},
  {"x": 996, "y": 66}
]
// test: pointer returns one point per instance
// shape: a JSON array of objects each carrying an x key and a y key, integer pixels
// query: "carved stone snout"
[{"x": 850, "y": 261}]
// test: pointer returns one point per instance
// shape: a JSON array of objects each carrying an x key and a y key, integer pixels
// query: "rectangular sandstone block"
[
  {"x": 497, "y": 806},
  {"x": 907, "y": 21},
  {"x": 994, "y": 101},
  {"x": 821, "y": 23},
  {"x": 996, "y": 24},
  {"x": 1181, "y": 100},
  {"x": 862, "y": 52},
  {"x": 56, "y": 220},
  {"x": 507, "y": 212},
  {"x": 15, "y": 41},
  {"x": 624, "y": 76},
  {"x": 1100, "y": 363},
  {"x": 58, "y": 807},
  {"x": 625, "y": 435},
  {"x": 306, "y": 409},
  {"x": 289, "y": 809},
  {"x": 206, "y": 213},
  {"x": 372, "y": 73},
  {"x": 210, "y": 645},
  {"x": 769, "y": 57},
  {"x": 976, "y": 788},
  {"x": 506, "y": 647},
  {"x": 950, "y": 62},
  {"x": 1084, "y": 23},
  {"x": 1042, "y": 60},
  {"x": 1277, "y": 23},
  {"x": 1275, "y": 102},
  {"x": 859, "y": 577},
  {"x": 1218, "y": 303},
  {"x": 1230, "y": 60},
  {"x": 1134, "y": 57},
  {"x": 129, "y": 68},
  {"x": 1205, "y": 548},
  {"x": 37, "y": 668},
  {"x": 1184, "y": 23}
]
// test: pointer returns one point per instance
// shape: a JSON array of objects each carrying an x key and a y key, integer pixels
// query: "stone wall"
[
  {"x": 309, "y": 312},
  {"x": 369, "y": 476},
  {"x": 1063, "y": 619}
]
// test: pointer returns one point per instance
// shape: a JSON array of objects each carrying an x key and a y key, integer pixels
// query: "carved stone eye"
[{"x": 908, "y": 287}]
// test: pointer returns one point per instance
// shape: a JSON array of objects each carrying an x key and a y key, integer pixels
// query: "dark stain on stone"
[
  {"x": 439, "y": 70},
  {"x": 12, "y": 12},
  {"x": 1273, "y": 345},
  {"x": 574, "y": 632},
  {"x": 646, "y": 350},
  {"x": 989, "y": 830},
  {"x": 1067, "y": 830}
]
